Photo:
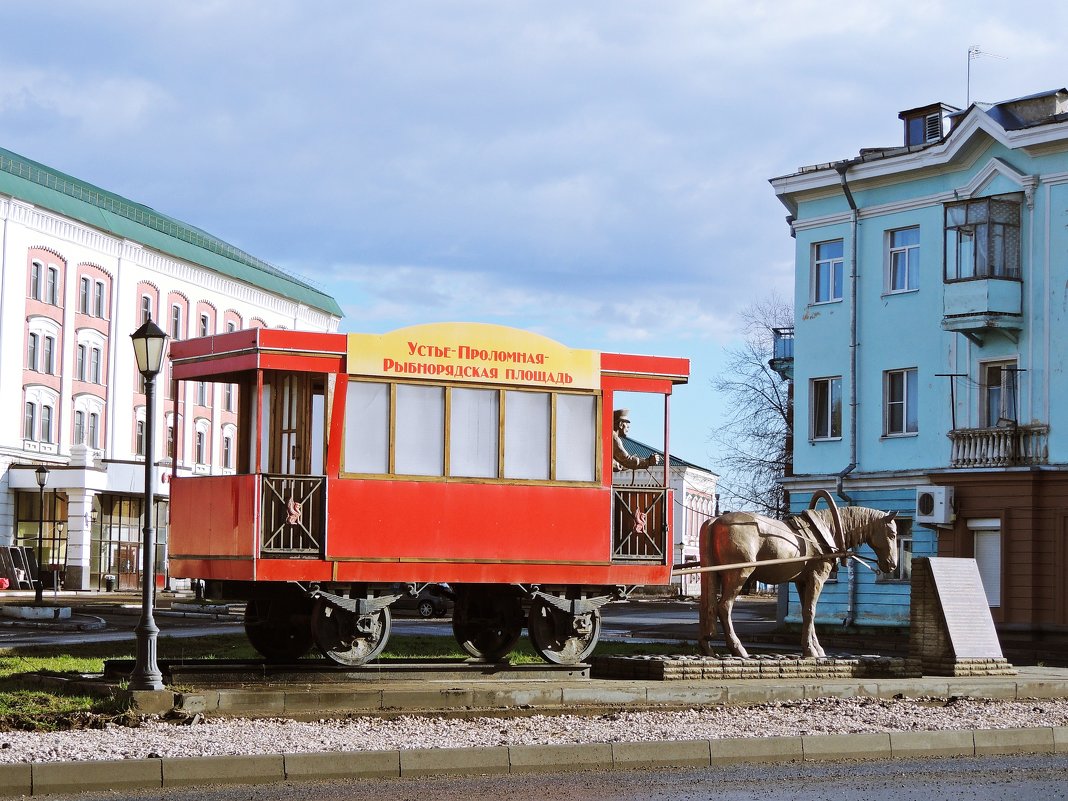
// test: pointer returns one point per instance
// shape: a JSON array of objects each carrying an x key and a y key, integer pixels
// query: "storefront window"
[{"x": 47, "y": 531}]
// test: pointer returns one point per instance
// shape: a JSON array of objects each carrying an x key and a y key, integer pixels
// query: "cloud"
[{"x": 99, "y": 107}]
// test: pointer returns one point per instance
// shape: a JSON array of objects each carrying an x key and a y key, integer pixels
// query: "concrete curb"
[{"x": 154, "y": 773}]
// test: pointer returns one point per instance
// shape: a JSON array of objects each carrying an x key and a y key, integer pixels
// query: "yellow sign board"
[{"x": 476, "y": 352}]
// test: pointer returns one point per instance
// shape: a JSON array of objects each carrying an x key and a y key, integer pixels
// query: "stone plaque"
[{"x": 964, "y": 608}]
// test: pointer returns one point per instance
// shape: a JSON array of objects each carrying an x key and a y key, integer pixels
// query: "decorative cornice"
[{"x": 54, "y": 225}]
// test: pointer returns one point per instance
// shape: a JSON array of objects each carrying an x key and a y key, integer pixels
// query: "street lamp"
[
  {"x": 38, "y": 589},
  {"x": 148, "y": 344}
]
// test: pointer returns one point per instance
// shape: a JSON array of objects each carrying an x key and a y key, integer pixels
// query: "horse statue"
[{"x": 801, "y": 549}]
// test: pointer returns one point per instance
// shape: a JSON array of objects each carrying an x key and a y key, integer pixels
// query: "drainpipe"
[{"x": 842, "y": 168}]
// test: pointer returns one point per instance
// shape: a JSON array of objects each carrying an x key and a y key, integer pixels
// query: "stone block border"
[{"x": 72, "y": 777}]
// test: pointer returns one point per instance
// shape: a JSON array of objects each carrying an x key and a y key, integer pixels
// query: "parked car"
[{"x": 434, "y": 600}]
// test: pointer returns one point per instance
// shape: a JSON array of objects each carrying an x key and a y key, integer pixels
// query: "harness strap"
[{"x": 813, "y": 530}]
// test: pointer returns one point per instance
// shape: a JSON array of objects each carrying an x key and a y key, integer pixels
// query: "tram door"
[
  {"x": 292, "y": 454},
  {"x": 293, "y": 430}
]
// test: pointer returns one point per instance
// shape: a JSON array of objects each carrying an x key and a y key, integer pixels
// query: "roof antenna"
[{"x": 975, "y": 52}]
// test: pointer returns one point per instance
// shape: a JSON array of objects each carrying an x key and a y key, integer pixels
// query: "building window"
[
  {"x": 204, "y": 323},
  {"x": 904, "y": 260},
  {"x": 81, "y": 362},
  {"x": 987, "y": 543},
  {"x": 49, "y": 356},
  {"x": 982, "y": 239},
  {"x": 99, "y": 299},
  {"x": 923, "y": 129},
  {"x": 29, "y": 421},
  {"x": 228, "y": 452},
  {"x": 200, "y": 448},
  {"x": 31, "y": 352},
  {"x": 52, "y": 287},
  {"x": 176, "y": 322},
  {"x": 170, "y": 441},
  {"x": 903, "y": 572},
  {"x": 35, "y": 280},
  {"x": 46, "y": 423},
  {"x": 827, "y": 408},
  {"x": 999, "y": 393},
  {"x": 94, "y": 365},
  {"x": 139, "y": 438},
  {"x": 231, "y": 327},
  {"x": 901, "y": 402},
  {"x": 94, "y": 430},
  {"x": 79, "y": 428},
  {"x": 202, "y": 393},
  {"x": 83, "y": 295},
  {"x": 228, "y": 398},
  {"x": 146, "y": 309},
  {"x": 827, "y": 276}
]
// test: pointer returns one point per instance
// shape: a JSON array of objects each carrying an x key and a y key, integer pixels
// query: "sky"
[{"x": 595, "y": 171}]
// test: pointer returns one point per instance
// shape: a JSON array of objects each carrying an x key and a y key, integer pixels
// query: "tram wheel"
[
  {"x": 562, "y": 638},
  {"x": 279, "y": 628},
  {"x": 347, "y": 638},
  {"x": 486, "y": 622}
]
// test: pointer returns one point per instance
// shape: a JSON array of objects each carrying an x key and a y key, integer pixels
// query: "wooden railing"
[
  {"x": 292, "y": 516},
  {"x": 1008, "y": 446},
  {"x": 639, "y": 524}
]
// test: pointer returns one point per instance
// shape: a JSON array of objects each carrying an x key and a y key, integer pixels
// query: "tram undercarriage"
[{"x": 351, "y": 624}]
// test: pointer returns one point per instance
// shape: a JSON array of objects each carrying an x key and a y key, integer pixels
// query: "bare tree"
[{"x": 755, "y": 440}]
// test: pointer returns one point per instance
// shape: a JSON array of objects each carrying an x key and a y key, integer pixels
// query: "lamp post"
[
  {"x": 38, "y": 589},
  {"x": 148, "y": 344}
]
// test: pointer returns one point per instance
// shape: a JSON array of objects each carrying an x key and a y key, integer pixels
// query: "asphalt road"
[{"x": 974, "y": 779}]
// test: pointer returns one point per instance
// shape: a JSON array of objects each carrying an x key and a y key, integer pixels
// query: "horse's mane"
[{"x": 857, "y": 522}]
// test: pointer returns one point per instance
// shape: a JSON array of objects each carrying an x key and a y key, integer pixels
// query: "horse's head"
[{"x": 884, "y": 542}]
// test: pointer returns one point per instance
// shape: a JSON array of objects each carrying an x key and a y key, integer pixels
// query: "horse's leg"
[
  {"x": 731, "y": 582},
  {"x": 809, "y": 585},
  {"x": 708, "y": 608},
  {"x": 709, "y": 593}
]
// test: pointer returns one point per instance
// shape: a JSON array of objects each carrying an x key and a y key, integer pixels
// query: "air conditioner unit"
[{"x": 934, "y": 505}]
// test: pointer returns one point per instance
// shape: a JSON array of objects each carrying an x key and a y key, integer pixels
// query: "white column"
[{"x": 79, "y": 538}]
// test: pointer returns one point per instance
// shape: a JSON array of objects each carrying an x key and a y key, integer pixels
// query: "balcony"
[
  {"x": 980, "y": 306},
  {"x": 782, "y": 360},
  {"x": 1009, "y": 446}
]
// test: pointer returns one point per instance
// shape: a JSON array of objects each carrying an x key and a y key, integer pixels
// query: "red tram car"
[{"x": 469, "y": 454}]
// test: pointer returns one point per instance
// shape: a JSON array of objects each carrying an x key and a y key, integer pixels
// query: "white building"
[
  {"x": 694, "y": 490},
  {"x": 81, "y": 269}
]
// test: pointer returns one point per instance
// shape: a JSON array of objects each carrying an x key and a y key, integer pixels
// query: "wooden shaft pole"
[{"x": 681, "y": 570}]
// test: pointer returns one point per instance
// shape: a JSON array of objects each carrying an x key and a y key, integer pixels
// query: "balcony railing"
[{"x": 1009, "y": 446}]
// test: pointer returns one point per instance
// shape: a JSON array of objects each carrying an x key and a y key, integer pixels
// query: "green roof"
[{"x": 50, "y": 189}]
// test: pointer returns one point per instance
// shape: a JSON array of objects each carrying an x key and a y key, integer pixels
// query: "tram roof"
[{"x": 271, "y": 348}]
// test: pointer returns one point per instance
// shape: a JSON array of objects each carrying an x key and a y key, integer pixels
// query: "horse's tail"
[{"x": 709, "y": 591}]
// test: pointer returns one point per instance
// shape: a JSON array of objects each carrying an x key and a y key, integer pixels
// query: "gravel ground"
[{"x": 222, "y": 736}]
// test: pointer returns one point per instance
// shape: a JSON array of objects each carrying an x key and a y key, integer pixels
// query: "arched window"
[
  {"x": 35, "y": 280},
  {"x": 83, "y": 294},
  {"x": 52, "y": 287},
  {"x": 176, "y": 322},
  {"x": 31, "y": 352},
  {"x": 46, "y": 423},
  {"x": 94, "y": 430}
]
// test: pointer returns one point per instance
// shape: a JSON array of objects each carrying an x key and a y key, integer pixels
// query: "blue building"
[{"x": 929, "y": 350}]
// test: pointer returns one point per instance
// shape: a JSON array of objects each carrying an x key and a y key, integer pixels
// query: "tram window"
[
  {"x": 474, "y": 425},
  {"x": 367, "y": 428},
  {"x": 527, "y": 420},
  {"x": 420, "y": 433},
  {"x": 576, "y": 437}
]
